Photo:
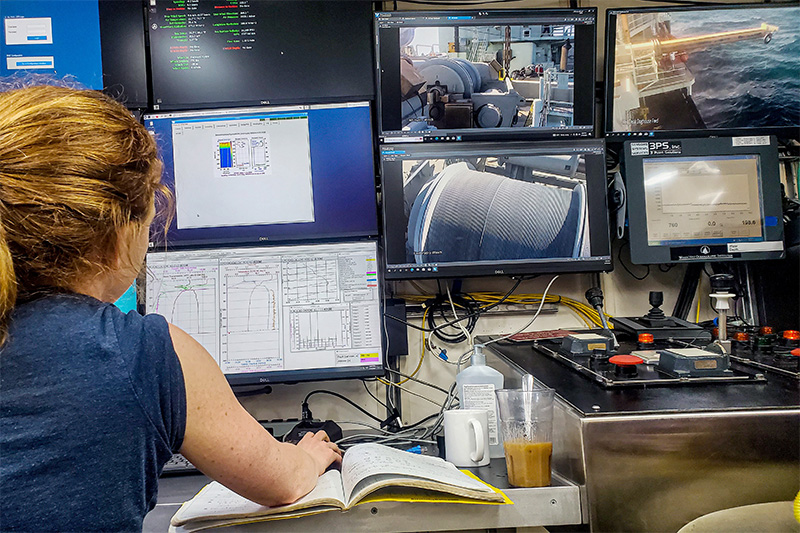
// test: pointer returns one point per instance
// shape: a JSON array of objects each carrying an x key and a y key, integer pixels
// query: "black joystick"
[
  {"x": 655, "y": 316},
  {"x": 656, "y": 299}
]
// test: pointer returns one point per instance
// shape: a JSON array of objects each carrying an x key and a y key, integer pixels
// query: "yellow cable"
[
  {"x": 697, "y": 317},
  {"x": 587, "y": 314}
]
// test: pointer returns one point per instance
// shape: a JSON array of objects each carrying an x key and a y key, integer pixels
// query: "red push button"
[
  {"x": 626, "y": 360},
  {"x": 626, "y": 365}
]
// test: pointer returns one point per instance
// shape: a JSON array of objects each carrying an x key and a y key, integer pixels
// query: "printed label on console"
[
  {"x": 656, "y": 148},
  {"x": 754, "y": 140}
]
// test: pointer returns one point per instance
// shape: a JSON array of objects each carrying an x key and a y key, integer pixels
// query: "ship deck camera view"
[
  {"x": 477, "y": 75},
  {"x": 471, "y": 209},
  {"x": 694, "y": 71}
]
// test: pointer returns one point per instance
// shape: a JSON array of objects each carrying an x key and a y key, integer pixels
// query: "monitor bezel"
[
  {"x": 601, "y": 263},
  {"x": 483, "y": 134},
  {"x": 781, "y": 132},
  {"x": 643, "y": 253},
  {"x": 289, "y": 377}
]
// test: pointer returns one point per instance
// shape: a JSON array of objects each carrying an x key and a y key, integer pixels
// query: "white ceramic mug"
[{"x": 466, "y": 437}]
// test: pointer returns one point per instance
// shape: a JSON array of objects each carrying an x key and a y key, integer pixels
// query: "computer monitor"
[
  {"x": 483, "y": 75},
  {"x": 266, "y": 174},
  {"x": 699, "y": 71},
  {"x": 276, "y": 314},
  {"x": 216, "y": 53},
  {"x": 691, "y": 200},
  {"x": 474, "y": 209},
  {"x": 98, "y": 44}
]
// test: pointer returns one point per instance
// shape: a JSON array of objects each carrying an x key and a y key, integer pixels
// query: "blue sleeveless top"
[{"x": 92, "y": 404}]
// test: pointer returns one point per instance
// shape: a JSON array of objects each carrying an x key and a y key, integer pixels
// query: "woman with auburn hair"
[{"x": 93, "y": 402}]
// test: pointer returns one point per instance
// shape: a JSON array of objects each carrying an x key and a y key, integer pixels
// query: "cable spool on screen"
[{"x": 464, "y": 214}]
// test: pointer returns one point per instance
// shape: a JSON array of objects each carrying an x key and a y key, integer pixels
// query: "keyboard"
[{"x": 178, "y": 464}]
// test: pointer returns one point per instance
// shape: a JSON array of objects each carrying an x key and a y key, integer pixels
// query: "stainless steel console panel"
[{"x": 653, "y": 460}]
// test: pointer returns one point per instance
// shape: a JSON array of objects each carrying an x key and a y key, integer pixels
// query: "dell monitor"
[
  {"x": 268, "y": 174},
  {"x": 217, "y": 53},
  {"x": 699, "y": 71},
  {"x": 697, "y": 200},
  {"x": 275, "y": 314},
  {"x": 485, "y": 75},
  {"x": 476, "y": 209},
  {"x": 98, "y": 44}
]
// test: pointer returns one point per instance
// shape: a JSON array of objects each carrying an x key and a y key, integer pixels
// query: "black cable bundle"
[{"x": 440, "y": 306}]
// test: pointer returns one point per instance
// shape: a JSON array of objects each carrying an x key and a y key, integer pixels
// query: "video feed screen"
[
  {"x": 700, "y": 199},
  {"x": 698, "y": 69},
  {"x": 277, "y": 313},
  {"x": 461, "y": 75},
  {"x": 469, "y": 209},
  {"x": 99, "y": 44},
  {"x": 215, "y": 53},
  {"x": 268, "y": 174}
]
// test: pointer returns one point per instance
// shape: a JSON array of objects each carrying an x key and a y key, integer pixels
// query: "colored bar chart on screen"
[{"x": 225, "y": 157}]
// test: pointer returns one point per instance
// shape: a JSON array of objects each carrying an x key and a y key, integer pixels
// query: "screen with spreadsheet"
[{"x": 275, "y": 314}]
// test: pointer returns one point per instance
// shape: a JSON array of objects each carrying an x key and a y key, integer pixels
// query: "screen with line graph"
[{"x": 275, "y": 314}]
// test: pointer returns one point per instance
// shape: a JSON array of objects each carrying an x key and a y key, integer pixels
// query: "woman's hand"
[{"x": 319, "y": 446}]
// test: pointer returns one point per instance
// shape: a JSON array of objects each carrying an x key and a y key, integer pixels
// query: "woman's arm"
[{"x": 227, "y": 444}]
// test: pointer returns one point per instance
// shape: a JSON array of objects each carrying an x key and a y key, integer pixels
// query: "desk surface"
[{"x": 559, "y": 504}]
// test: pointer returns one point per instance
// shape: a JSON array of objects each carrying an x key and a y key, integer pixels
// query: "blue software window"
[{"x": 52, "y": 37}]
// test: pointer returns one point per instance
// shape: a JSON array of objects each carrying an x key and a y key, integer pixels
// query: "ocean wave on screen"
[{"x": 746, "y": 83}]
